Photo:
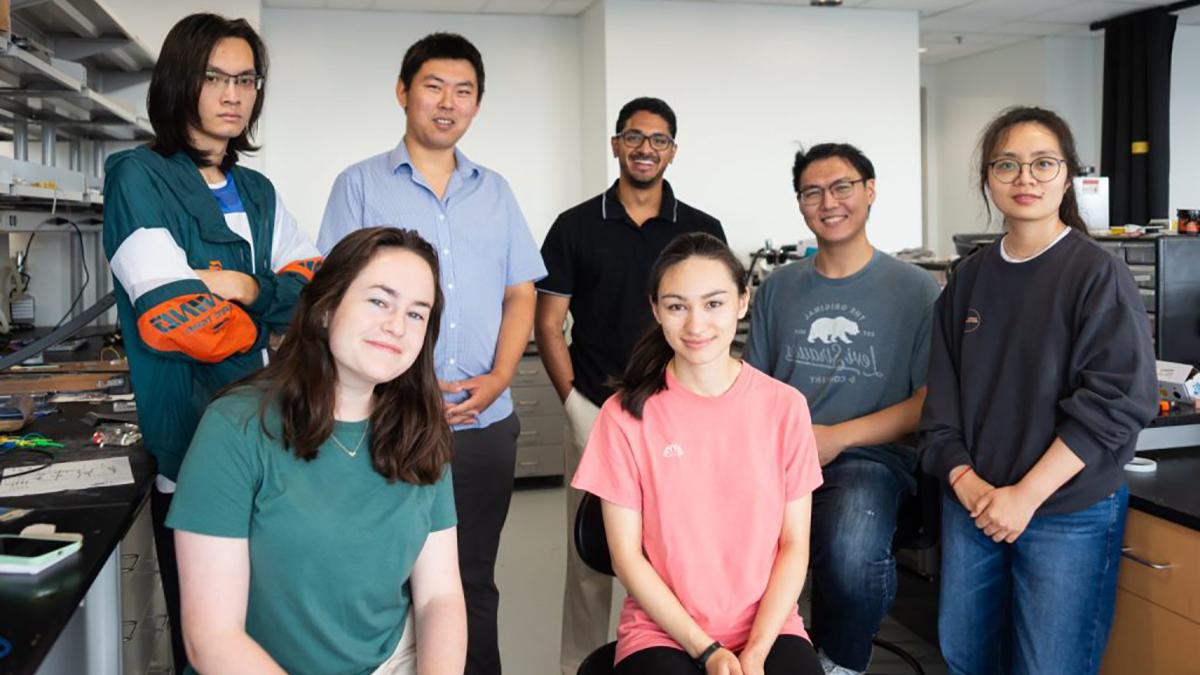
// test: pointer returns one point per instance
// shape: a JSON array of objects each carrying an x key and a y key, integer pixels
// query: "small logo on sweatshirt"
[
  {"x": 972, "y": 322},
  {"x": 673, "y": 450}
]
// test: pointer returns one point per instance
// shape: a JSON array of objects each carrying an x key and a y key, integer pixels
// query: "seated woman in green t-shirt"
[{"x": 314, "y": 516}]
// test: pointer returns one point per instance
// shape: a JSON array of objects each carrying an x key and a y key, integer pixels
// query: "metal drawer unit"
[
  {"x": 540, "y": 445},
  {"x": 1166, "y": 269},
  {"x": 145, "y": 633}
]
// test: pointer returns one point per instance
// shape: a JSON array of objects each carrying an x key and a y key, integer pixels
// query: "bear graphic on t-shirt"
[{"x": 832, "y": 329}]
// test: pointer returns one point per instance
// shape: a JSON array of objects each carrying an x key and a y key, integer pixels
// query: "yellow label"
[{"x": 1140, "y": 147}]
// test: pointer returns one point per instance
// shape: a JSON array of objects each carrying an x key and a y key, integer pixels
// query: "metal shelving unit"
[{"x": 60, "y": 61}]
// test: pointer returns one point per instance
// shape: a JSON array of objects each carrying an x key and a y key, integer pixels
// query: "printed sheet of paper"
[{"x": 81, "y": 475}]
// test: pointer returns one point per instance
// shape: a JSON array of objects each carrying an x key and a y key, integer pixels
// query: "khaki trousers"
[{"x": 587, "y": 599}]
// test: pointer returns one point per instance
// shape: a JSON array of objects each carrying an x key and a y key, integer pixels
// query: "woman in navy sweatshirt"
[{"x": 1041, "y": 375}]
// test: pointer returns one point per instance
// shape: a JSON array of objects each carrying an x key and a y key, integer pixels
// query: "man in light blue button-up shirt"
[{"x": 489, "y": 262}]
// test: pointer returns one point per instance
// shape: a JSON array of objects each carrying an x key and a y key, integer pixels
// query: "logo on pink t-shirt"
[{"x": 673, "y": 450}]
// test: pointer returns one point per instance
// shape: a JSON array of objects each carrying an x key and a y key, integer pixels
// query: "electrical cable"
[
  {"x": 44, "y": 454},
  {"x": 87, "y": 277}
]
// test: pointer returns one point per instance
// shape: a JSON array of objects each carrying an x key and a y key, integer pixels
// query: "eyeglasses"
[
  {"x": 1043, "y": 169},
  {"x": 633, "y": 140},
  {"x": 840, "y": 190},
  {"x": 219, "y": 79}
]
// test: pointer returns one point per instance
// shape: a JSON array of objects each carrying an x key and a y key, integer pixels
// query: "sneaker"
[{"x": 832, "y": 668}]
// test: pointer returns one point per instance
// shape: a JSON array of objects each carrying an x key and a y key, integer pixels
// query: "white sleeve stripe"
[
  {"x": 147, "y": 259},
  {"x": 289, "y": 243}
]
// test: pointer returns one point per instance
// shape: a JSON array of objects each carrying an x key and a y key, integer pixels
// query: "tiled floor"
[{"x": 530, "y": 574}]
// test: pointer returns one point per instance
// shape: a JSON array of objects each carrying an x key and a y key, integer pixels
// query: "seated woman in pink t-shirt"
[{"x": 706, "y": 468}]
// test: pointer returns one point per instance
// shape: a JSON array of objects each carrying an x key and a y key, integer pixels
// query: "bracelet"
[
  {"x": 707, "y": 653},
  {"x": 960, "y": 475}
]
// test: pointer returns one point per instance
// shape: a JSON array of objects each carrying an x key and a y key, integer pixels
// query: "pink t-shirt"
[{"x": 711, "y": 477}]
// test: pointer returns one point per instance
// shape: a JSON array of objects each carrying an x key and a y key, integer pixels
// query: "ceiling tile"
[
  {"x": 568, "y": 7},
  {"x": 295, "y": 4},
  {"x": 516, "y": 6},
  {"x": 1032, "y": 29},
  {"x": 1087, "y": 12},
  {"x": 926, "y": 7}
]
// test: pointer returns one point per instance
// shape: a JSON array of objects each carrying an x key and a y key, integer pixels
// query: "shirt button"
[
  {"x": 450, "y": 287},
  {"x": 451, "y": 361},
  {"x": 441, "y": 216},
  {"x": 445, "y": 251},
  {"x": 453, "y": 325}
]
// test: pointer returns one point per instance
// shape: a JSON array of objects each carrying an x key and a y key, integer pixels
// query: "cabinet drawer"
[
  {"x": 530, "y": 372},
  {"x": 1147, "y": 298},
  {"x": 539, "y": 460},
  {"x": 541, "y": 430},
  {"x": 1140, "y": 254},
  {"x": 1149, "y": 640},
  {"x": 529, "y": 401},
  {"x": 1166, "y": 570},
  {"x": 1143, "y": 275}
]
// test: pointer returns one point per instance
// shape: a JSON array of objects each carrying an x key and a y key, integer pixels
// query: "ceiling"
[{"x": 950, "y": 29}]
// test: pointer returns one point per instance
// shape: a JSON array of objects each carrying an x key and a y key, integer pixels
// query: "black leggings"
[{"x": 790, "y": 655}]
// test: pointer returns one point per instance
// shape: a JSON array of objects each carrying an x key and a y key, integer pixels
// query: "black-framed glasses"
[
  {"x": 220, "y": 79},
  {"x": 841, "y": 191},
  {"x": 633, "y": 140},
  {"x": 1043, "y": 169}
]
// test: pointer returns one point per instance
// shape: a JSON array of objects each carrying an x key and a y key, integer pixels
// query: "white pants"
[
  {"x": 587, "y": 599},
  {"x": 403, "y": 661}
]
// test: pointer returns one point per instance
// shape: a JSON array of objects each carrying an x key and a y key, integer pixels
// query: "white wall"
[
  {"x": 963, "y": 95},
  {"x": 749, "y": 82},
  {"x": 331, "y": 102},
  {"x": 1185, "y": 121}
]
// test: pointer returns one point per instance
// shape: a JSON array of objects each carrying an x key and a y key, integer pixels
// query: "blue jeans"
[
  {"x": 1043, "y": 604},
  {"x": 853, "y": 571}
]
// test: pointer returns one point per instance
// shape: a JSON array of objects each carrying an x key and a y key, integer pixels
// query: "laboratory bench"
[
  {"x": 1156, "y": 630},
  {"x": 95, "y": 612}
]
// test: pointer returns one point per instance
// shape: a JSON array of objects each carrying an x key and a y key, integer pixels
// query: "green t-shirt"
[{"x": 332, "y": 544}]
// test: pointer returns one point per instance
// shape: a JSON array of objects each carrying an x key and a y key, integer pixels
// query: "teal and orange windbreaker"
[{"x": 162, "y": 222}]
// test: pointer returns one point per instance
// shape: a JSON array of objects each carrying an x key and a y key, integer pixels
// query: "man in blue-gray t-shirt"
[{"x": 849, "y": 328}]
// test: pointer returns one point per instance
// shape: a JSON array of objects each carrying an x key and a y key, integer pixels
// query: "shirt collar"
[
  {"x": 399, "y": 157},
  {"x": 611, "y": 207}
]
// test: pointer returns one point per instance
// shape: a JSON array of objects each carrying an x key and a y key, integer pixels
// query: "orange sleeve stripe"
[
  {"x": 201, "y": 326},
  {"x": 305, "y": 268}
]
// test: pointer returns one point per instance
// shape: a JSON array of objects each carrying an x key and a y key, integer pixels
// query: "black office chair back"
[
  {"x": 918, "y": 524},
  {"x": 590, "y": 540}
]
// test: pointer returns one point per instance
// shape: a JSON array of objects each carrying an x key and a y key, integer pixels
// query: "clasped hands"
[{"x": 1002, "y": 513}]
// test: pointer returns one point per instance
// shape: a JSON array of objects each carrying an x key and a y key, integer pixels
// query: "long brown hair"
[
  {"x": 410, "y": 440},
  {"x": 1068, "y": 210},
  {"x": 646, "y": 374}
]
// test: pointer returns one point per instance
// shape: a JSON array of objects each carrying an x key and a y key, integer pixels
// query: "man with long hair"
[{"x": 206, "y": 259}]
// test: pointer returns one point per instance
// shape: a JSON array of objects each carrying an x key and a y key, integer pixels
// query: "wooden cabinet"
[{"x": 1156, "y": 630}]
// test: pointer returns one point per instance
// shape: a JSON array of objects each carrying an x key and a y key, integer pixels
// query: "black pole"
[{"x": 1173, "y": 7}]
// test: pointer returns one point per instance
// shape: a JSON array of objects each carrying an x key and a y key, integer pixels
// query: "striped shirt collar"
[{"x": 611, "y": 207}]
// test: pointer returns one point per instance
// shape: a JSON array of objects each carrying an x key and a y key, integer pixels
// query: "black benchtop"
[
  {"x": 1173, "y": 491},
  {"x": 34, "y": 609}
]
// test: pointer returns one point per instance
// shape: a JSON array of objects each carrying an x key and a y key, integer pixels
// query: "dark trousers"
[
  {"x": 790, "y": 655},
  {"x": 484, "y": 462},
  {"x": 164, "y": 548},
  {"x": 853, "y": 572}
]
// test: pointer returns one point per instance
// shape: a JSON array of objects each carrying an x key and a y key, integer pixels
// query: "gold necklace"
[{"x": 346, "y": 450}]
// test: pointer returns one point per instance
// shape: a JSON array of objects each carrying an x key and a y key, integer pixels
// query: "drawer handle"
[
  {"x": 529, "y": 402},
  {"x": 1127, "y": 552},
  {"x": 529, "y": 462},
  {"x": 531, "y": 432},
  {"x": 130, "y": 627},
  {"x": 527, "y": 371},
  {"x": 128, "y": 562}
]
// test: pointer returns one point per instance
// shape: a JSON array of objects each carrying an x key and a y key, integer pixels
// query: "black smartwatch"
[{"x": 706, "y": 654}]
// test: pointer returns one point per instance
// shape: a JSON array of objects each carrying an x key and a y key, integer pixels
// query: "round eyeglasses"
[
  {"x": 1043, "y": 169},
  {"x": 841, "y": 191},
  {"x": 633, "y": 140}
]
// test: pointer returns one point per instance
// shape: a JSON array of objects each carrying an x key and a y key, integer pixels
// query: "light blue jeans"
[{"x": 1041, "y": 605}]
